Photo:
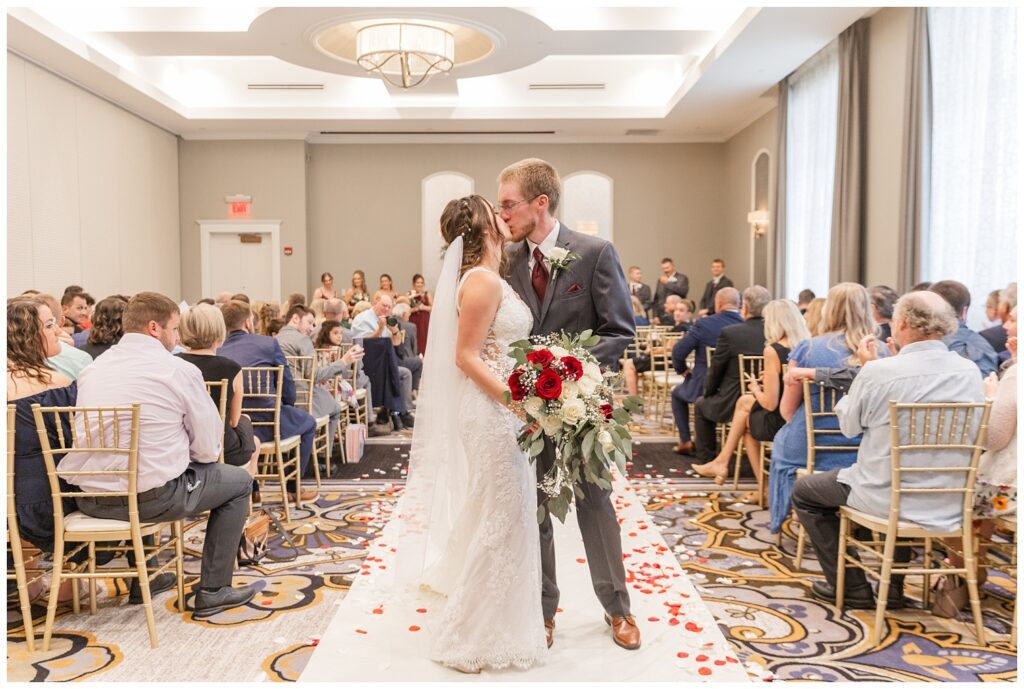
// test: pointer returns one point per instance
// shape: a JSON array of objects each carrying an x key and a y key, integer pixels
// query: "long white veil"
[{"x": 438, "y": 467}]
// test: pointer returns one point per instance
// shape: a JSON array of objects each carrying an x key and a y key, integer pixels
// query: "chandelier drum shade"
[{"x": 405, "y": 54}]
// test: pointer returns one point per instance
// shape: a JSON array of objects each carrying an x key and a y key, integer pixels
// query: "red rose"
[
  {"x": 516, "y": 387},
  {"x": 573, "y": 367},
  {"x": 541, "y": 357},
  {"x": 607, "y": 410},
  {"x": 549, "y": 385}
]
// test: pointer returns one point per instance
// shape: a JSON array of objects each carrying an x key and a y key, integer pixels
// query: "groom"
[{"x": 589, "y": 294}]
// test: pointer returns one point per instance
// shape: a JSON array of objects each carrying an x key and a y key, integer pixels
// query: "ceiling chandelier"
[{"x": 405, "y": 54}]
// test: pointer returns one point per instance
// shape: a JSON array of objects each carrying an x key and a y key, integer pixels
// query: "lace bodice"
[{"x": 512, "y": 322}]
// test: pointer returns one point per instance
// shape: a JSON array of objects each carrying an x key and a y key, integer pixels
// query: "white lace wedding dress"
[{"x": 491, "y": 568}]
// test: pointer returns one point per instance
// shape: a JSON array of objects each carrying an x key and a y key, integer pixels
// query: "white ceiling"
[{"x": 691, "y": 73}]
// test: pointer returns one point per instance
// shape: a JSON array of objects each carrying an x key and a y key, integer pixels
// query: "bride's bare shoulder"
[{"x": 482, "y": 285}]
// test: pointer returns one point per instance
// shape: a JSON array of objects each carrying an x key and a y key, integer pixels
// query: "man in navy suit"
[
  {"x": 247, "y": 349},
  {"x": 701, "y": 335}
]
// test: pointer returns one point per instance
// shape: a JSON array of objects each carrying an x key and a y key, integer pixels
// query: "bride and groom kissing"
[{"x": 469, "y": 514}]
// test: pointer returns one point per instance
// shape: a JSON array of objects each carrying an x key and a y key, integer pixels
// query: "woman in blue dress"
[{"x": 846, "y": 320}]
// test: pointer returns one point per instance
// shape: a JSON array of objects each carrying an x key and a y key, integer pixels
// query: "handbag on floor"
[
  {"x": 355, "y": 441},
  {"x": 950, "y": 595},
  {"x": 255, "y": 534}
]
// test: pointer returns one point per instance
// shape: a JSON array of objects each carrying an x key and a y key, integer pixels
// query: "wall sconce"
[{"x": 759, "y": 219}]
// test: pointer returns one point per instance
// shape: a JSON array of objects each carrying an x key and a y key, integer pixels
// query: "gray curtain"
[
  {"x": 916, "y": 165},
  {"x": 777, "y": 224},
  {"x": 847, "y": 249}
]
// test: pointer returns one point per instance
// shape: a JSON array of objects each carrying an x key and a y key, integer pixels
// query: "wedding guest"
[
  {"x": 670, "y": 282},
  {"x": 682, "y": 316},
  {"x": 106, "y": 330},
  {"x": 639, "y": 316},
  {"x": 326, "y": 289},
  {"x": 317, "y": 307},
  {"x": 883, "y": 300},
  {"x": 965, "y": 341},
  {"x": 421, "y": 302},
  {"x": 922, "y": 371},
  {"x": 991, "y": 318},
  {"x": 638, "y": 289},
  {"x": 996, "y": 490},
  {"x": 996, "y": 334},
  {"x": 70, "y": 361},
  {"x": 718, "y": 281},
  {"x": 75, "y": 310},
  {"x": 358, "y": 291},
  {"x": 387, "y": 285},
  {"x": 804, "y": 300},
  {"x": 846, "y": 320},
  {"x": 813, "y": 315},
  {"x": 203, "y": 332}
]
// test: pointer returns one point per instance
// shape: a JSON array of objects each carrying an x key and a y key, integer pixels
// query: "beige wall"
[
  {"x": 272, "y": 172},
  {"x": 92, "y": 192},
  {"x": 887, "y": 74},
  {"x": 740, "y": 152},
  {"x": 364, "y": 201}
]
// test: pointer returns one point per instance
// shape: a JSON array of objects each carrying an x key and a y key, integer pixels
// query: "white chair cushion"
[
  {"x": 77, "y": 522},
  {"x": 323, "y": 420},
  {"x": 286, "y": 444}
]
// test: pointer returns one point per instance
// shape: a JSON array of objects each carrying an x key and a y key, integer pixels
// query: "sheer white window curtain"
[
  {"x": 973, "y": 207},
  {"x": 810, "y": 171}
]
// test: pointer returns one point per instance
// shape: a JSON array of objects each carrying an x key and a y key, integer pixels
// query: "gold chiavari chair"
[
  {"x": 324, "y": 358},
  {"x": 916, "y": 436},
  {"x": 109, "y": 431},
  {"x": 304, "y": 374},
  {"x": 279, "y": 457},
  {"x": 220, "y": 388},
  {"x": 1001, "y": 555},
  {"x": 750, "y": 368},
  {"x": 361, "y": 413},
  {"x": 19, "y": 554}
]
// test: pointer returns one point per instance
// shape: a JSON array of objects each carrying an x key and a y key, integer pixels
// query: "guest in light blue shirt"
[
  {"x": 923, "y": 371},
  {"x": 963, "y": 340}
]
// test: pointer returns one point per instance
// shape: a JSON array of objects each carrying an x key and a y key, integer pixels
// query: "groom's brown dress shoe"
[
  {"x": 686, "y": 448},
  {"x": 625, "y": 633},
  {"x": 549, "y": 629}
]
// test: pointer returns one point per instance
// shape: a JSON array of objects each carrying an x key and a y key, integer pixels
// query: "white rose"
[
  {"x": 570, "y": 391},
  {"x": 551, "y": 424},
  {"x": 557, "y": 254},
  {"x": 592, "y": 371},
  {"x": 605, "y": 438},
  {"x": 586, "y": 386},
  {"x": 558, "y": 352},
  {"x": 533, "y": 406},
  {"x": 573, "y": 411}
]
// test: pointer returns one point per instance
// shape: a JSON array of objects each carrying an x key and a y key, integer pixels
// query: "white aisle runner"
[{"x": 680, "y": 640}]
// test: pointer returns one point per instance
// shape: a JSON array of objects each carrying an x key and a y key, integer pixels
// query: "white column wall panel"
[
  {"x": 19, "y": 202},
  {"x": 53, "y": 176}
]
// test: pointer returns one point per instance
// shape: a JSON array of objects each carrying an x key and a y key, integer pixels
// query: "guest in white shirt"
[
  {"x": 373, "y": 322},
  {"x": 180, "y": 435},
  {"x": 923, "y": 371}
]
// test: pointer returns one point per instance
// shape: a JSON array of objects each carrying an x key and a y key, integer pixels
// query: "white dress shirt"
[
  {"x": 178, "y": 421},
  {"x": 365, "y": 324},
  {"x": 546, "y": 246}
]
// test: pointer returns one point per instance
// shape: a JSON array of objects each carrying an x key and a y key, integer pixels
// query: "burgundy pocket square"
[{"x": 574, "y": 288}]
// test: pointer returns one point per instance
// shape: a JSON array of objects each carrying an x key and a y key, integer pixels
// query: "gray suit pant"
[
  {"x": 220, "y": 488},
  {"x": 601, "y": 540}
]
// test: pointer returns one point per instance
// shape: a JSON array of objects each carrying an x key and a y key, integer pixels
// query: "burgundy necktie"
[{"x": 539, "y": 277}]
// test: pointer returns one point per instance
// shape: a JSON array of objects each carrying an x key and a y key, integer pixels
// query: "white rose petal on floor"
[{"x": 680, "y": 638}]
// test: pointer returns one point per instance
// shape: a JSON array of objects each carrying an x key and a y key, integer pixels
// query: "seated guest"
[
  {"x": 274, "y": 327},
  {"x": 329, "y": 335},
  {"x": 75, "y": 310},
  {"x": 422, "y": 302},
  {"x": 249, "y": 350},
  {"x": 222, "y": 298},
  {"x": 883, "y": 300},
  {"x": 31, "y": 338},
  {"x": 813, "y": 316},
  {"x": 703, "y": 334},
  {"x": 264, "y": 314},
  {"x": 846, "y": 321},
  {"x": 638, "y": 289},
  {"x": 664, "y": 317},
  {"x": 317, "y": 308},
  {"x": 205, "y": 300},
  {"x": 922, "y": 286},
  {"x": 326, "y": 289},
  {"x": 991, "y": 318},
  {"x": 757, "y": 416},
  {"x": 639, "y": 316},
  {"x": 358, "y": 291},
  {"x": 682, "y": 316},
  {"x": 332, "y": 334},
  {"x": 373, "y": 322},
  {"x": 923, "y": 370},
  {"x": 996, "y": 334},
  {"x": 203, "y": 331},
  {"x": 408, "y": 349},
  {"x": 804, "y": 300},
  {"x": 718, "y": 281},
  {"x": 638, "y": 363},
  {"x": 996, "y": 491},
  {"x": 293, "y": 299},
  {"x": 243, "y": 297},
  {"x": 106, "y": 330},
  {"x": 965, "y": 341},
  {"x": 70, "y": 361},
  {"x": 179, "y": 441},
  {"x": 294, "y": 340},
  {"x": 722, "y": 386},
  {"x": 670, "y": 282}
]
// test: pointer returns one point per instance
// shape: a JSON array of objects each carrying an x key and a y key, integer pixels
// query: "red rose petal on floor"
[
  {"x": 632, "y": 534},
  {"x": 682, "y": 654},
  {"x": 653, "y": 619},
  {"x": 719, "y": 662},
  {"x": 365, "y": 573},
  {"x": 378, "y": 611},
  {"x": 558, "y": 610},
  {"x": 580, "y": 560},
  {"x": 731, "y": 659},
  {"x": 414, "y": 628},
  {"x": 265, "y": 602},
  {"x": 693, "y": 627},
  {"x": 360, "y": 631},
  {"x": 704, "y": 671},
  {"x": 421, "y": 610},
  {"x": 673, "y": 622},
  {"x": 701, "y": 658},
  {"x": 315, "y": 642}
]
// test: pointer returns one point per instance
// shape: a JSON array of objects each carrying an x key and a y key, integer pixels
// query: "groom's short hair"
[{"x": 534, "y": 177}]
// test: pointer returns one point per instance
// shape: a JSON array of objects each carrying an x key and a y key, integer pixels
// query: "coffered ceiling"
[{"x": 553, "y": 73}]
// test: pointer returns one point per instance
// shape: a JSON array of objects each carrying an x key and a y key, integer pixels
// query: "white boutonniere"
[{"x": 560, "y": 258}]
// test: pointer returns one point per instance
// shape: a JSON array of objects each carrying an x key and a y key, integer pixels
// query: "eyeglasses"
[{"x": 504, "y": 208}]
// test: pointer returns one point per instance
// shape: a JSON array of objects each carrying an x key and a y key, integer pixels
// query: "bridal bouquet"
[{"x": 567, "y": 399}]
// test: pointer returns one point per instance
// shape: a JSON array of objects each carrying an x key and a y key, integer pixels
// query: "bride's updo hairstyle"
[{"x": 473, "y": 219}]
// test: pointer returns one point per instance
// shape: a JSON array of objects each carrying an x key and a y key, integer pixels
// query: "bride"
[{"x": 468, "y": 517}]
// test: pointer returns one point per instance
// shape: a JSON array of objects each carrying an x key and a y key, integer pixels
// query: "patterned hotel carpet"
[{"x": 761, "y": 602}]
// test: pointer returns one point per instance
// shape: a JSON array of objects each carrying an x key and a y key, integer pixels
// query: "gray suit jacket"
[{"x": 591, "y": 294}]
